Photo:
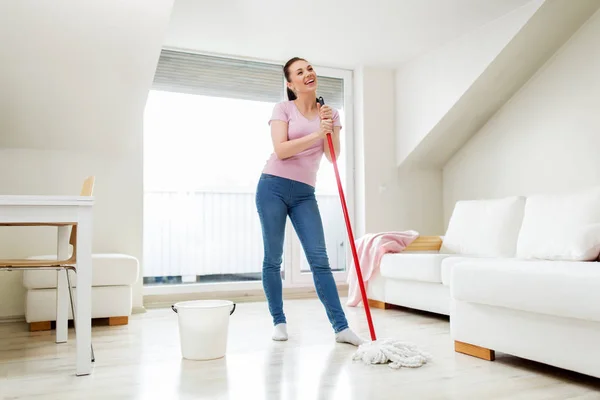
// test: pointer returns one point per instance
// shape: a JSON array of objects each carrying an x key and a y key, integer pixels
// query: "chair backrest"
[
  {"x": 86, "y": 190},
  {"x": 88, "y": 186}
]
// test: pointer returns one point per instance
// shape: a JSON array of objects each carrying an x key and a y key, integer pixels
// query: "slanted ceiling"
[
  {"x": 548, "y": 28},
  {"x": 75, "y": 75}
]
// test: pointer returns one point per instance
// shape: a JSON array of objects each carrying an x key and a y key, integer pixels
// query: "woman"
[{"x": 287, "y": 188}]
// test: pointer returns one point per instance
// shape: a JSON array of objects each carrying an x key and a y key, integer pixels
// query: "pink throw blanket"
[{"x": 371, "y": 248}]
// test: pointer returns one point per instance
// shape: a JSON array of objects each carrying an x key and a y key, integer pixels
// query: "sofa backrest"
[
  {"x": 563, "y": 226},
  {"x": 484, "y": 227}
]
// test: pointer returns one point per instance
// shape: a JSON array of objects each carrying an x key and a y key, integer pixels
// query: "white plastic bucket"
[{"x": 203, "y": 328}]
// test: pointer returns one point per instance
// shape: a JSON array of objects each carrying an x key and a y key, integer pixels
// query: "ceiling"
[{"x": 337, "y": 33}]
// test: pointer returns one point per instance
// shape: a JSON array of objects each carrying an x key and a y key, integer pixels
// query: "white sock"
[
  {"x": 280, "y": 332},
  {"x": 348, "y": 336}
]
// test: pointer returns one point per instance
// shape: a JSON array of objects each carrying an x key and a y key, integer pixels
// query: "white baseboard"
[
  {"x": 12, "y": 318},
  {"x": 241, "y": 296}
]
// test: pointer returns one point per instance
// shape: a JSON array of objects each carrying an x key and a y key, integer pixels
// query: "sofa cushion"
[
  {"x": 413, "y": 266},
  {"x": 484, "y": 227},
  {"x": 559, "y": 288},
  {"x": 449, "y": 262},
  {"x": 561, "y": 226},
  {"x": 107, "y": 270}
]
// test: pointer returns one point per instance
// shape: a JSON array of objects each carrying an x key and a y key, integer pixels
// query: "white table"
[{"x": 63, "y": 212}]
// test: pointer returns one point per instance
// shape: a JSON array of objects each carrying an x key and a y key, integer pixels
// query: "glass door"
[{"x": 201, "y": 171}]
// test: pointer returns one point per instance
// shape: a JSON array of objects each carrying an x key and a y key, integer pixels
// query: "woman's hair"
[{"x": 286, "y": 71}]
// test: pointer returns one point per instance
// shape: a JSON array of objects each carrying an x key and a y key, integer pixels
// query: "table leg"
[
  {"x": 84, "y": 292},
  {"x": 62, "y": 294}
]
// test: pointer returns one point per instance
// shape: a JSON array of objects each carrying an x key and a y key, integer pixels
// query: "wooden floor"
[{"x": 142, "y": 361}]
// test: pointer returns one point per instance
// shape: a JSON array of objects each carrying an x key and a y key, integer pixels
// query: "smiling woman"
[{"x": 287, "y": 189}]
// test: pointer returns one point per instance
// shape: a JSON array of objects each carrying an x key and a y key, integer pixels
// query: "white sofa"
[
  {"x": 113, "y": 276},
  {"x": 518, "y": 275}
]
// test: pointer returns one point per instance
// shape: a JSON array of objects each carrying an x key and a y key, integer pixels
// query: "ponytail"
[{"x": 291, "y": 95}]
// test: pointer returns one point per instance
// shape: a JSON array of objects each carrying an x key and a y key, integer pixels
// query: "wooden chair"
[{"x": 66, "y": 265}]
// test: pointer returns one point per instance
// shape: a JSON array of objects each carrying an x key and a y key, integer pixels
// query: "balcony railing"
[{"x": 205, "y": 233}]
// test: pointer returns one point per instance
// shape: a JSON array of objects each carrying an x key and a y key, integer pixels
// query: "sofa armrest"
[{"x": 425, "y": 243}]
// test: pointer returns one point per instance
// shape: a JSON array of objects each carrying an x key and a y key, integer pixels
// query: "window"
[{"x": 206, "y": 140}]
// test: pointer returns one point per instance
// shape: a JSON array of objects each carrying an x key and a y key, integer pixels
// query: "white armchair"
[{"x": 113, "y": 276}]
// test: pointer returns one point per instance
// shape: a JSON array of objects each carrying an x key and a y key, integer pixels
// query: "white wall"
[
  {"x": 430, "y": 85},
  {"x": 386, "y": 199},
  {"x": 74, "y": 81},
  {"x": 419, "y": 94},
  {"x": 545, "y": 139}
]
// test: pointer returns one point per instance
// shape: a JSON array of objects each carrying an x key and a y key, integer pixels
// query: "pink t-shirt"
[{"x": 303, "y": 166}]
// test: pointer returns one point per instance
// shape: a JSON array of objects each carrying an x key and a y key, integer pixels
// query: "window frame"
[{"x": 292, "y": 251}]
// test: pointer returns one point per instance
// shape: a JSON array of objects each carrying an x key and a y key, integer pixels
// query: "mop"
[{"x": 395, "y": 352}]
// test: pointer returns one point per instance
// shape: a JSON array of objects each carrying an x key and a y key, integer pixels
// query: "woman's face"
[{"x": 303, "y": 78}]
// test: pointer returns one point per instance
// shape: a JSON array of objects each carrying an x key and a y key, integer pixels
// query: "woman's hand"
[
  {"x": 325, "y": 128},
  {"x": 325, "y": 112}
]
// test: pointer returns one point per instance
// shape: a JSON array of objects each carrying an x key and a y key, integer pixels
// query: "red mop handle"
[{"x": 351, "y": 238}]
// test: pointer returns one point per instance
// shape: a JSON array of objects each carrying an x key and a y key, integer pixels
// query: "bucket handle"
[{"x": 231, "y": 312}]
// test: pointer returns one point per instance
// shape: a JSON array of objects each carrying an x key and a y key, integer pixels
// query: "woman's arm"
[
  {"x": 285, "y": 148},
  {"x": 335, "y": 138}
]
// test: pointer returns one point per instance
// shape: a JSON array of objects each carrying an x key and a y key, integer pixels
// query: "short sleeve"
[
  {"x": 279, "y": 113},
  {"x": 336, "y": 118}
]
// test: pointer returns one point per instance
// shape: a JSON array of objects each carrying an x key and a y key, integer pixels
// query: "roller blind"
[
  {"x": 200, "y": 74},
  {"x": 218, "y": 77},
  {"x": 332, "y": 90}
]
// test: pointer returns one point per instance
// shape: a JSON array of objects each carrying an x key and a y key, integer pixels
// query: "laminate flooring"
[{"x": 142, "y": 360}]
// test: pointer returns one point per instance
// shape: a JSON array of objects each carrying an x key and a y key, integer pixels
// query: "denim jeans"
[{"x": 276, "y": 199}]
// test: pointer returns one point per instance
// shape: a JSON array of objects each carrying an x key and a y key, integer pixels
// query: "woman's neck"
[{"x": 307, "y": 103}]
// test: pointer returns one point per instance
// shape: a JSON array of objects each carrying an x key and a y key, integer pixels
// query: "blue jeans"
[{"x": 276, "y": 199}]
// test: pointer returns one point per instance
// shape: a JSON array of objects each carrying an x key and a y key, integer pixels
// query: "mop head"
[{"x": 398, "y": 354}]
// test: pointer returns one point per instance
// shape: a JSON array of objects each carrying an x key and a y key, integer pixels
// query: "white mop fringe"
[{"x": 398, "y": 354}]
